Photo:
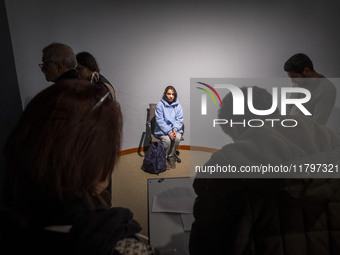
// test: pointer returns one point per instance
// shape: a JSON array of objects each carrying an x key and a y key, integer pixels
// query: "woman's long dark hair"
[{"x": 86, "y": 59}]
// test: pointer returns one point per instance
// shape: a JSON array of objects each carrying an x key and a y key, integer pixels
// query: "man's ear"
[
  {"x": 59, "y": 66},
  {"x": 307, "y": 72}
]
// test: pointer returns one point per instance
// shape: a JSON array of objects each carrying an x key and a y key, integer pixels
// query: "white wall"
[{"x": 143, "y": 46}]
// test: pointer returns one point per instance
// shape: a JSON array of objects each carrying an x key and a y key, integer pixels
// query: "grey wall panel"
[{"x": 144, "y": 46}]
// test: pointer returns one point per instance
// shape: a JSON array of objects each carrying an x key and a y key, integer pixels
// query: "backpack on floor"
[{"x": 154, "y": 160}]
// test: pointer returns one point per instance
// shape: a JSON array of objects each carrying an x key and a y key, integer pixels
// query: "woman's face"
[{"x": 170, "y": 95}]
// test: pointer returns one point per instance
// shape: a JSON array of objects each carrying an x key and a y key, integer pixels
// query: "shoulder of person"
[
  {"x": 330, "y": 85},
  {"x": 162, "y": 103},
  {"x": 103, "y": 79}
]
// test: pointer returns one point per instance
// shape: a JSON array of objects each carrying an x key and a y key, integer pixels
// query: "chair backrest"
[
  {"x": 152, "y": 109},
  {"x": 152, "y": 121},
  {"x": 153, "y": 124}
]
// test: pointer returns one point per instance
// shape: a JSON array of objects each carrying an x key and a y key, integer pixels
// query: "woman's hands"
[{"x": 173, "y": 135}]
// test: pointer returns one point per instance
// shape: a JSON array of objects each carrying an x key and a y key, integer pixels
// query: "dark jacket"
[
  {"x": 71, "y": 74},
  {"x": 87, "y": 233},
  {"x": 270, "y": 216}
]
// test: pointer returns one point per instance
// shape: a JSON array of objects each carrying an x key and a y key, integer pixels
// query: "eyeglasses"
[{"x": 44, "y": 63}]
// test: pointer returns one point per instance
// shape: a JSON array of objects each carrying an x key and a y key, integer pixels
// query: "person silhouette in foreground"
[
  {"x": 279, "y": 213},
  {"x": 300, "y": 69},
  {"x": 60, "y": 157}
]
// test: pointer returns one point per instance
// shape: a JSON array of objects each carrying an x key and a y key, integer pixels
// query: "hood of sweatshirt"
[{"x": 166, "y": 103}]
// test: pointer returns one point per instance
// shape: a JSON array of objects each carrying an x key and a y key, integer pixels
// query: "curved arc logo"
[{"x": 204, "y": 97}]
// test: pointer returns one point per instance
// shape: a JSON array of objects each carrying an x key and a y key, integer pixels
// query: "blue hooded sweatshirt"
[{"x": 168, "y": 118}]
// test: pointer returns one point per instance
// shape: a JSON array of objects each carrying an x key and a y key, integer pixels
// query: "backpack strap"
[
  {"x": 111, "y": 89},
  {"x": 107, "y": 87}
]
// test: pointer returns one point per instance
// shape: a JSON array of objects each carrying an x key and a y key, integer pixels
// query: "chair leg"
[{"x": 177, "y": 157}]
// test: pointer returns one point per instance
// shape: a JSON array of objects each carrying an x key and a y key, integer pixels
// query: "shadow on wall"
[{"x": 11, "y": 107}]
